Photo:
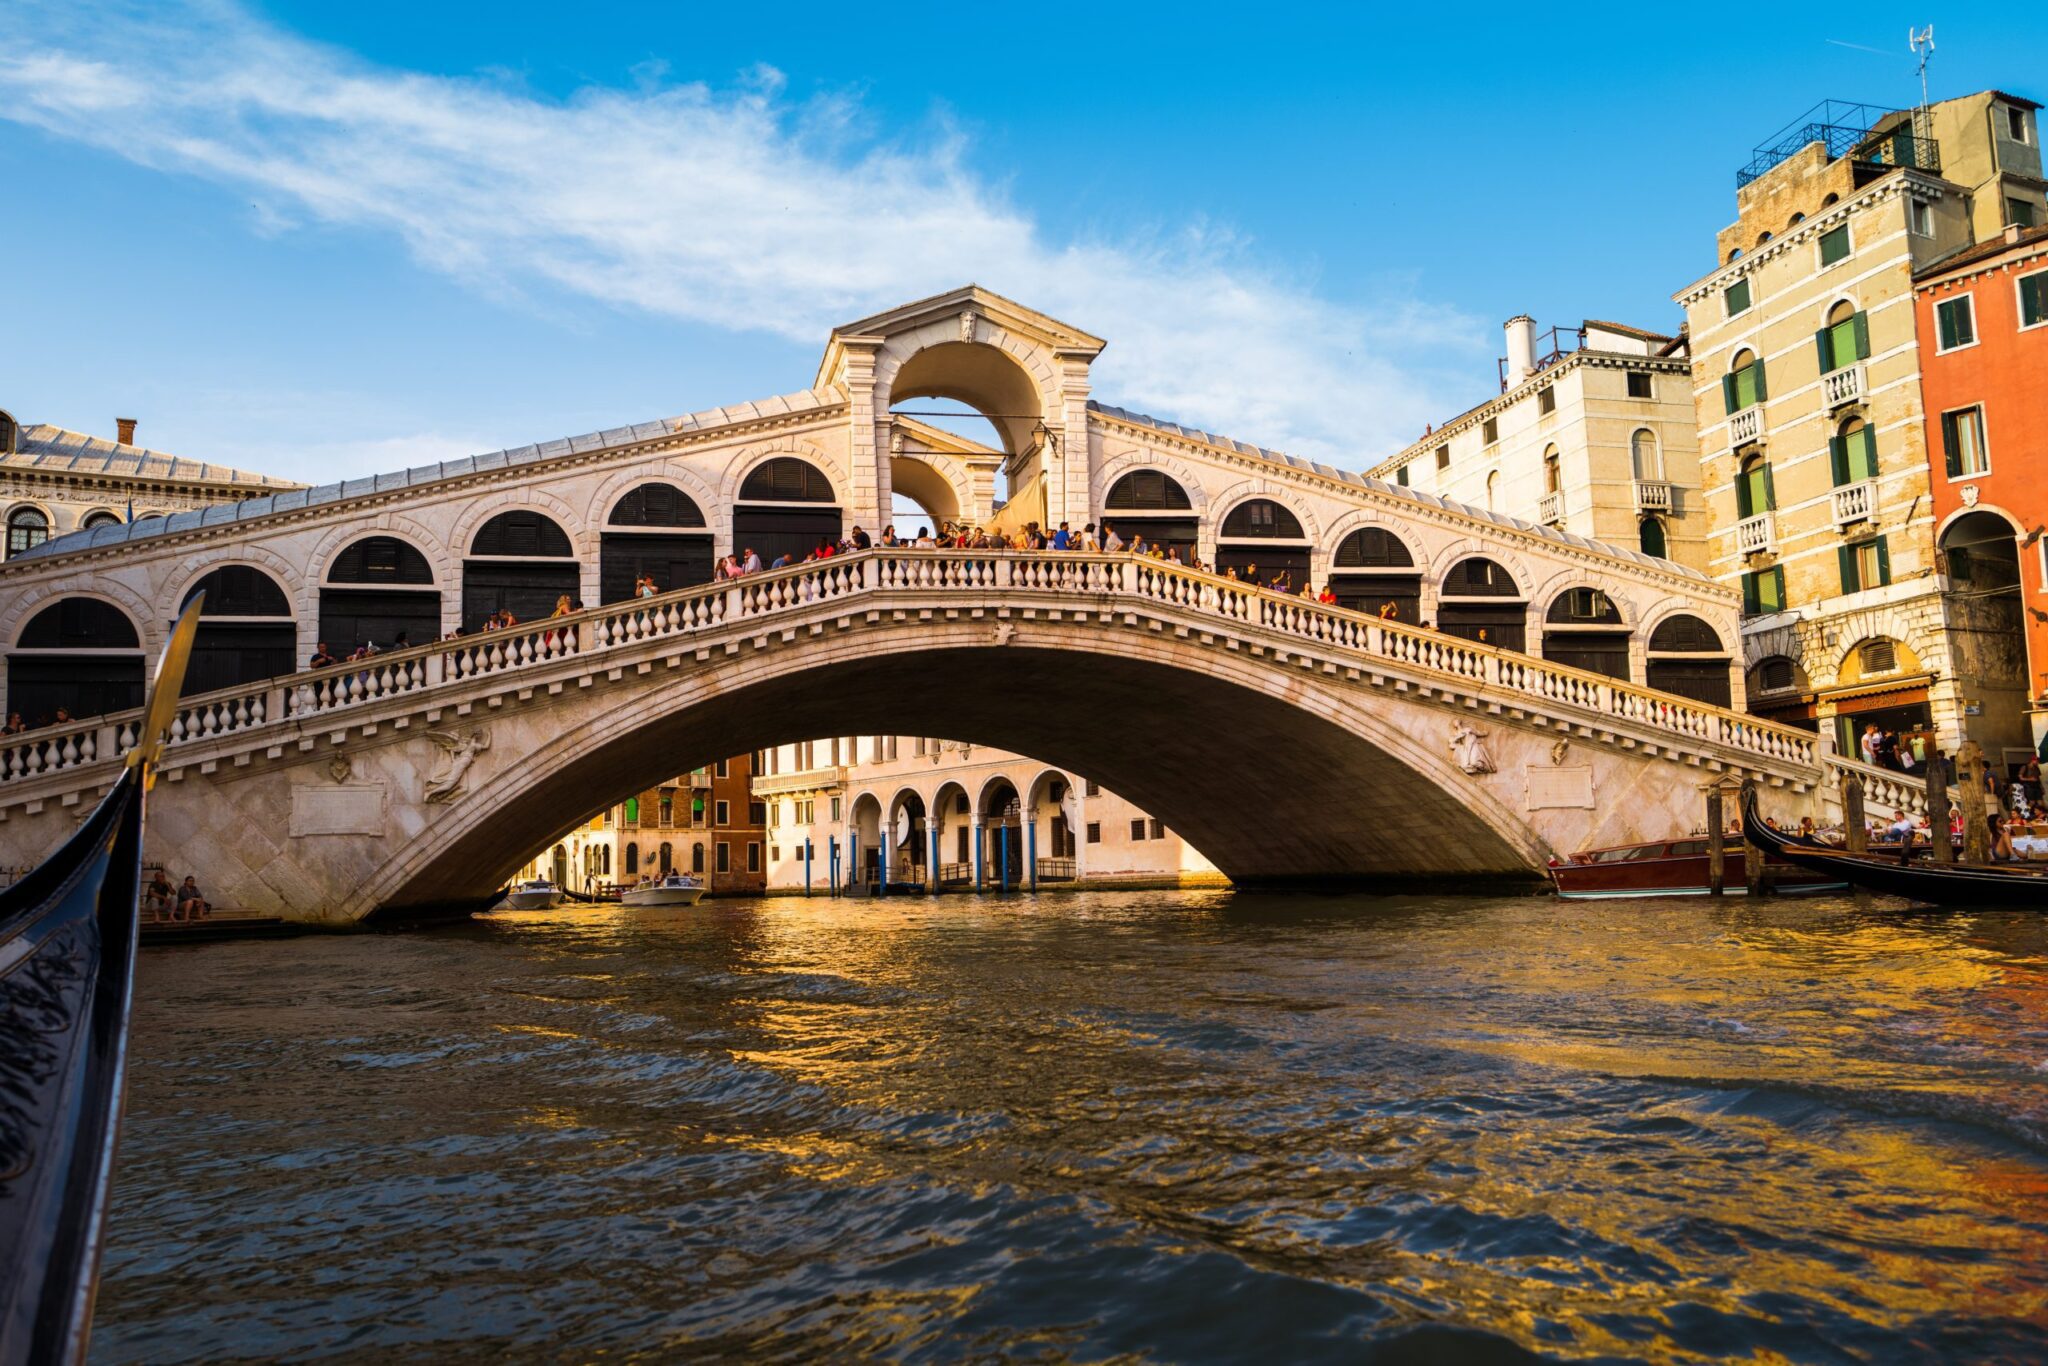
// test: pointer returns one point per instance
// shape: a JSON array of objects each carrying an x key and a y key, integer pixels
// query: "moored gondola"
[
  {"x": 1942, "y": 884},
  {"x": 68, "y": 932}
]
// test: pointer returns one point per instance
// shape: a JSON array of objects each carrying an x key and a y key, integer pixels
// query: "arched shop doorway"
[
  {"x": 246, "y": 630},
  {"x": 1150, "y": 503},
  {"x": 864, "y": 856},
  {"x": 1372, "y": 569},
  {"x": 519, "y": 562},
  {"x": 1882, "y": 682},
  {"x": 656, "y": 531},
  {"x": 378, "y": 589},
  {"x": 1262, "y": 540},
  {"x": 786, "y": 506},
  {"x": 1481, "y": 602},
  {"x": 80, "y": 654},
  {"x": 1585, "y": 630},
  {"x": 908, "y": 839},
  {"x": 1686, "y": 657}
]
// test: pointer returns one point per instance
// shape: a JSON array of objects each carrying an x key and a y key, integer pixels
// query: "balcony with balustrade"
[
  {"x": 1855, "y": 502},
  {"x": 1850, "y": 384},
  {"x": 1756, "y": 535},
  {"x": 1550, "y": 509},
  {"x": 1746, "y": 426},
  {"x": 1653, "y": 495}
]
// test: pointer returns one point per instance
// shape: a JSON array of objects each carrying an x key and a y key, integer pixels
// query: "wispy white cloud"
[{"x": 738, "y": 208}]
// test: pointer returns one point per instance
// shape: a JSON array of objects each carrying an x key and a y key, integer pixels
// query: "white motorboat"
[
  {"x": 537, "y": 895},
  {"x": 676, "y": 889}
]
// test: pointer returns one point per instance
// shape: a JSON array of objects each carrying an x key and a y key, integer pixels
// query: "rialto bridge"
[{"x": 1531, "y": 691}]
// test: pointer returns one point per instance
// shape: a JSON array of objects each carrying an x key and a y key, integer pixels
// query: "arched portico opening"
[
  {"x": 1374, "y": 571},
  {"x": 1584, "y": 628},
  {"x": 907, "y": 839},
  {"x": 786, "y": 507},
  {"x": 952, "y": 815},
  {"x": 1152, "y": 504},
  {"x": 1052, "y": 814},
  {"x": 1262, "y": 540},
  {"x": 924, "y": 497},
  {"x": 519, "y": 562},
  {"x": 246, "y": 631},
  {"x": 79, "y": 656},
  {"x": 1687, "y": 657},
  {"x": 377, "y": 590},
  {"x": 864, "y": 841},
  {"x": 1002, "y": 835},
  {"x": 655, "y": 531},
  {"x": 1481, "y": 602}
]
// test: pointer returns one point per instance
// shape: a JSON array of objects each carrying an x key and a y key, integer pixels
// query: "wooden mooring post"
[
  {"x": 1937, "y": 807},
  {"x": 1970, "y": 778},
  {"x": 1717, "y": 845},
  {"x": 1855, "y": 834}
]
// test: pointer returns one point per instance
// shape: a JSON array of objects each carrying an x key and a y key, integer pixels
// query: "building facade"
[
  {"x": 942, "y": 815},
  {"x": 1982, "y": 317},
  {"x": 1813, "y": 433},
  {"x": 1593, "y": 434}
]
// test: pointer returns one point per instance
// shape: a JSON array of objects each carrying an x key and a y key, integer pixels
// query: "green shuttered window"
[
  {"x": 1866, "y": 564},
  {"x": 2034, "y": 299},
  {"x": 1955, "y": 322},
  {"x": 1743, "y": 388},
  {"x": 1763, "y": 591},
  {"x": 1962, "y": 440},
  {"x": 1847, "y": 342},
  {"x": 1854, "y": 456},
  {"x": 1736, "y": 297},
  {"x": 1834, "y": 245},
  {"x": 1753, "y": 491}
]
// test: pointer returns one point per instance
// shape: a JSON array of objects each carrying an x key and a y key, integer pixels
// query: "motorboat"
[
  {"x": 536, "y": 895},
  {"x": 1673, "y": 868},
  {"x": 1901, "y": 874},
  {"x": 671, "y": 889},
  {"x": 68, "y": 933}
]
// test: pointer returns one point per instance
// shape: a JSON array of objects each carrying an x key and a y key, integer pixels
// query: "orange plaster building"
[{"x": 1982, "y": 319}]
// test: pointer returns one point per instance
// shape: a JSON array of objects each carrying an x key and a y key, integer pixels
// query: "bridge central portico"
[{"x": 1598, "y": 681}]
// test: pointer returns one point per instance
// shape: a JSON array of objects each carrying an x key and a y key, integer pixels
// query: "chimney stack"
[
  {"x": 2012, "y": 233},
  {"x": 124, "y": 430},
  {"x": 1521, "y": 332}
]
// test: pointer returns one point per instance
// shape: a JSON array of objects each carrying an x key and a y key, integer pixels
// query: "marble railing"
[{"x": 994, "y": 578}]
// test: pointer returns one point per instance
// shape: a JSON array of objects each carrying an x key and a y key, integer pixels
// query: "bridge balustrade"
[{"x": 706, "y": 608}]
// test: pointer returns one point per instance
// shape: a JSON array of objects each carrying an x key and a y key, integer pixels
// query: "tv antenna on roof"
[{"x": 1922, "y": 44}]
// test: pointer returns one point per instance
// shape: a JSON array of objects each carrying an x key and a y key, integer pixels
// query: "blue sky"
[{"x": 322, "y": 240}]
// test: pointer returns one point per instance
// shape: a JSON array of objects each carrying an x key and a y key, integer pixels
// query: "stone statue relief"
[
  {"x": 1468, "y": 748},
  {"x": 458, "y": 755}
]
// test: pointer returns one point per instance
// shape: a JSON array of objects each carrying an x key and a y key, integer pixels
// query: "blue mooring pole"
[
  {"x": 882, "y": 867},
  {"x": 832, "y": 861},
  {"x": 1031, "y": 852},
  {"x": 807, "y": 865},
  {"x": 979, "y": 836},
  {"x": 852, "y": 861},
  {"x": 932, "y": 867},
  {"x": 1003, "y": 853}
]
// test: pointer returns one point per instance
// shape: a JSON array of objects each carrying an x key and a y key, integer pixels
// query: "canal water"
[{"x": 1148, "y": 1126}]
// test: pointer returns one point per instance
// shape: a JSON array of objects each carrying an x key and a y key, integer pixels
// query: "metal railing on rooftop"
[{"x": 1868, "y": 133}]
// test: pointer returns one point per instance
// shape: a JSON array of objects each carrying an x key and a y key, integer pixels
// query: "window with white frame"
[
  {"x": 2016, "y": 123},
  {"x": 1955, "y": 323},
  {"x": 2033, "y": 291},
  {"x": 1962, "y": 441},
  {"x": 1920, "y": 218}
]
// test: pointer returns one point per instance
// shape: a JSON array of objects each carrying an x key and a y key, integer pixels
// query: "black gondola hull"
[{"x": 1942, "y": 884}]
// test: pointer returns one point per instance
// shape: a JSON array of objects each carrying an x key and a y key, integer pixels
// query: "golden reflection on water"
[{"x": 1187, "y": 1127}]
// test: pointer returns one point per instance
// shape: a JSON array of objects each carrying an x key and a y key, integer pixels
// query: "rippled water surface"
[{"x": 1168, "y": 1126}]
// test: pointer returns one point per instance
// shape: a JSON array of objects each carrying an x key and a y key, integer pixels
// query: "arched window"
[
  {"x": 246, "y": 631},
  {"x": 1743, "y": 386},
  {"x": 95, "y": 520},
  {"x": 1372, "y": 547},
  {"x": 1583, "y": 607},
  {"x": 1797, "y": 219},
  {"x": 668, "y": 858},
  {"x": 1686, "y": 657},
  {"x": 656, "y": 505},
  {"x": 26, "y": 527},
  {"x": 1774, "y": 673},
  {"x": 1762, "y": 238},
  {"x": 655, "y": 531},
  {"x": 78, "y": 654},
  {"x": 786, "y": 479},
  {"x": 1650, "y": 533},
  {"x": 1492, "y": 488},
  {"x": 1147, "y": 491},
  {"x": 1754, "y": 495},
  {"x": 1584, "y": 629},
  {"x": 1553, "y": 471},
  {"x": 378, "y": 591},
  {"x": 10, "y": 434},
  {"x": 521, "y": 534},
  {"x": 1844, "y": 340},
  {"x": 1852, "y": 452},
  {"x": 1482, "y": 602},
  {"x": 768, "y": 520},
  {"x": 632, "y": 860},
  {"x": 1261, "y": 518},
  {"x": 1644, "y": 456}
]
